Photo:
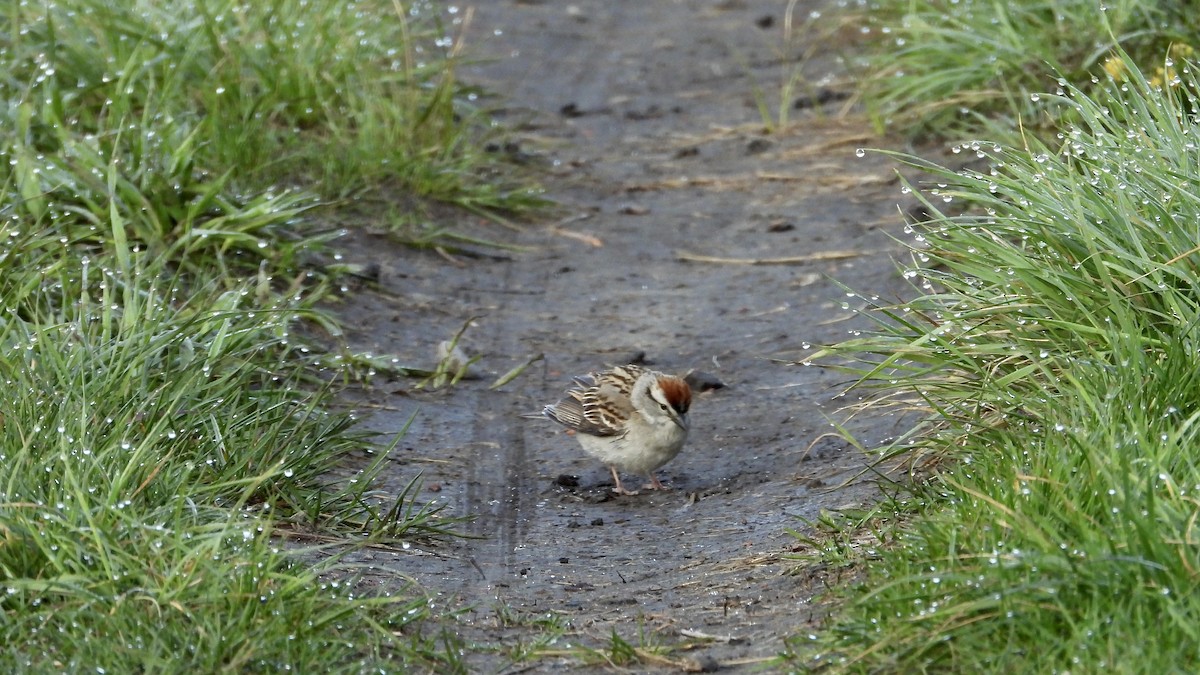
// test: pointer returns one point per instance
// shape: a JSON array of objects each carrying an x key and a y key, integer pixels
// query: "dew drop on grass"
[{"x": 860, "y": 153}]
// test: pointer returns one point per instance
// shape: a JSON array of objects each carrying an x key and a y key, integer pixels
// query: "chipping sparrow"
[{"x": 628, "y": 417}]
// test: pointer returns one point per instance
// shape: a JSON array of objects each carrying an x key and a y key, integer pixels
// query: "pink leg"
[
  {"x": 619, "y": 489},
  {"x": 654, "y": 484}
]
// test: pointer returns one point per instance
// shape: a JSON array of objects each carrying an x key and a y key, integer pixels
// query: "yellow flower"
[
  {"x": 1116, "y": 68},
  {"x": 1165, "y": 76}
]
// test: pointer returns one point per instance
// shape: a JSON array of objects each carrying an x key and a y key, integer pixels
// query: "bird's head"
[{"x": 670, "y": 397}]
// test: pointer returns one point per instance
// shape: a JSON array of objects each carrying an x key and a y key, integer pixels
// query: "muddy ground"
[{"x": 644, "y": 119}]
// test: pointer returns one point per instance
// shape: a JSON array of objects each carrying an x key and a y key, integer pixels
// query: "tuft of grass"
[
  {"x": 164, "y": 426},
  {"x": 942, "y": 68},
  {"x": 802, "y": 38},
  {"x": 542, "y": 635},
  {"x": 152, "y": 442},
  {"x": 619, "y": 652},
  {"x": 1053, "y": 347},
  {"x": 339, "y": 96}
]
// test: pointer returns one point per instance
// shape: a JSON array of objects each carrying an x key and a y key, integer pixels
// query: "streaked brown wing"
[
  {"x": 580, "y": 416},
  {"x": 598, "y": 403}
]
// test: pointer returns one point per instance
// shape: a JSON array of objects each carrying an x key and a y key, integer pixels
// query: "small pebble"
[
  {"x": 757, "y": 146},
  {"x": 699, "y": 380},
  {"x": 638, "y": 358}
]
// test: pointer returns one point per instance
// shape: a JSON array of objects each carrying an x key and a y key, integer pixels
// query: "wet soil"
[{"x": 688, "y": 238}]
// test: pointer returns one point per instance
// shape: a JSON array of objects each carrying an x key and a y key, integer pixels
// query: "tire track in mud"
[
  {"x": 497, "y": 493},
  {"x": 498, "y": 490}
]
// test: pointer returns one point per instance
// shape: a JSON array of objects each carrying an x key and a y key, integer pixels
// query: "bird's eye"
[{"x": 663, "y": 406}]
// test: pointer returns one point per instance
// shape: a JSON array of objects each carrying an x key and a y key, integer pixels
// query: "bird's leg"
[
  {"x": 619, "y": 489},
  {"x": 654, "y": 484}
]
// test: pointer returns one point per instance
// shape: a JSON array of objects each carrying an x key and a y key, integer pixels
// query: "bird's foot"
[
  {"x": 654, "y": 484},
  {"x": 618, "y": 488}
]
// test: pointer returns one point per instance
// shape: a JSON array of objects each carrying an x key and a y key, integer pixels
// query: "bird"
[{"x": 629, "y": 417}]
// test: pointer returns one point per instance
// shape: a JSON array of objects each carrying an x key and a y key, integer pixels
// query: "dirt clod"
[{"x": 701, "y": 381}]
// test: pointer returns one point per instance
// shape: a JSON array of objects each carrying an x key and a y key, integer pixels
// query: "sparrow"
[{"x": 629, "y": 417}]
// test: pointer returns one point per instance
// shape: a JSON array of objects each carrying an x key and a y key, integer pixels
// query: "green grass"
[
  {"x": 334, "y": 96},
  {"x": 168, "y": 434},
  {"x": 153, "y": 443},
  {"x": 1052, "y": 347},
  {"x": 942, "y": 68}
]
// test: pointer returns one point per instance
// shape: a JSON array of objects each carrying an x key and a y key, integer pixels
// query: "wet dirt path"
[{"x": 644, "y": 115}]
